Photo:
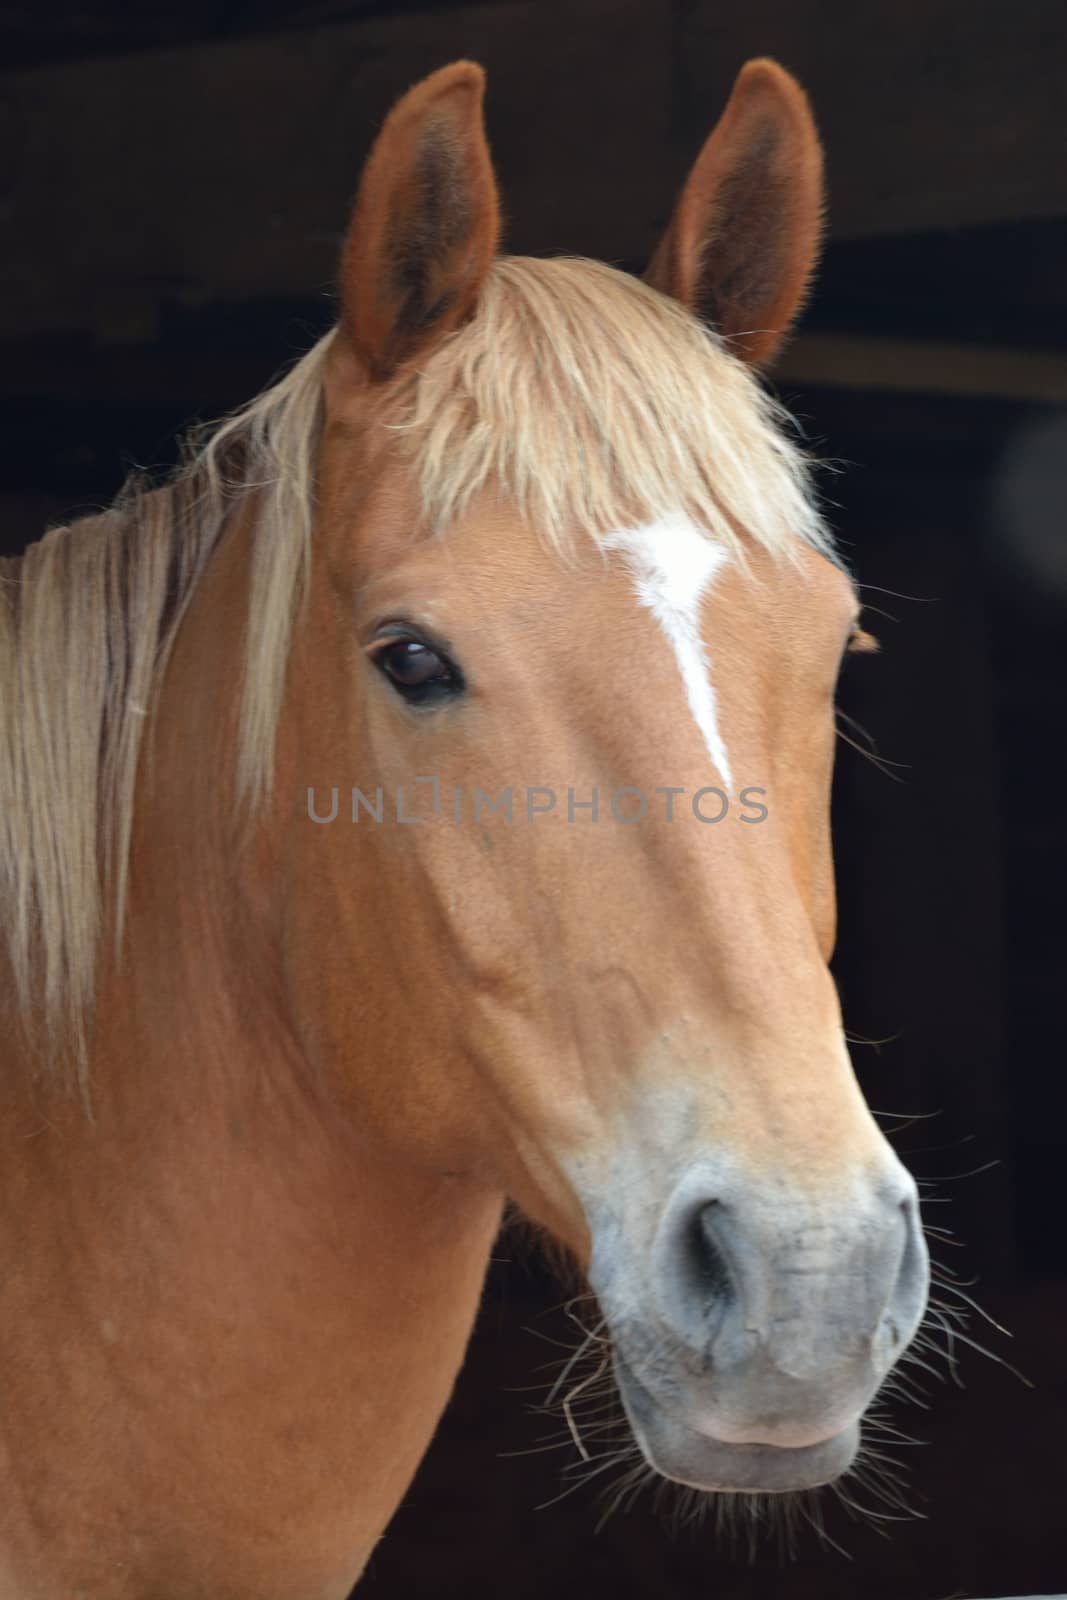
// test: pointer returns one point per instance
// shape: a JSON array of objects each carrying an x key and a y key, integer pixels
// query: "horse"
[{"x": 416, "y": 804}]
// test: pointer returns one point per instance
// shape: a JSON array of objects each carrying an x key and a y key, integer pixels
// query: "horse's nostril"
[{"x": 713, "y": 1278}]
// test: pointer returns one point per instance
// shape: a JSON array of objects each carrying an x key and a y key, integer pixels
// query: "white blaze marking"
[{"x": 672, "y": 564}]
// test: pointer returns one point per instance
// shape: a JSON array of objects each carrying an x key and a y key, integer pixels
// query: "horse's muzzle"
[{"x": 767, "y": 1319}]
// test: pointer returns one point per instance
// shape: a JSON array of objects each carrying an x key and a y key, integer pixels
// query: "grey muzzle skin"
[{"x": 761, "y": 1322}]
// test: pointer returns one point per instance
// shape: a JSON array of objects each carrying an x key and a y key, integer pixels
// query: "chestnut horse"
[{"x": 288, "y": 1025}]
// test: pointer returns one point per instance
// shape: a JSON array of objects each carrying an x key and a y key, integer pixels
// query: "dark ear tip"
[
  {"x": 766, "y": 80},
  {"x": 458, "y": 77},
  {"x": 457, "y": 90},
  {"x": 763, "y": 72},
  {"x": 765, "y": 67}
]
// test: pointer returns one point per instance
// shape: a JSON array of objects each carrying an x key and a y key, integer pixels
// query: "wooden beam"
[
  {"x": 838, "y": 361},
  {"x": 32, "y": 34},
  {"x": 934, "y": 113},
  {"x": 224, "y": 171}
]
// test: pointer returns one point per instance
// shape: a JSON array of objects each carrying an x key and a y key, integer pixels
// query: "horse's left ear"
[
  {"x": 744, "y": 238},
  {"x": 425, "y": 225}
]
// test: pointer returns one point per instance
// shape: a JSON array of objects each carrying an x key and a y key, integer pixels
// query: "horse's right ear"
[{"x": 425, "y": 225}]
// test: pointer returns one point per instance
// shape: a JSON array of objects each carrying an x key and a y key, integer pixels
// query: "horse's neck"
[
  {"x": 224, "y": 1272},
  {"x": 220, "y": 1311}
]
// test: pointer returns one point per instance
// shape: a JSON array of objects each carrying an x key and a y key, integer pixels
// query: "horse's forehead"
[
  {"x": 665, "y": 570},
  {"x": 655, "y": 577}
]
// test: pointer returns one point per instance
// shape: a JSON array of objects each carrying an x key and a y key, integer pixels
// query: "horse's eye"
[{"x": 417, "y": 672}]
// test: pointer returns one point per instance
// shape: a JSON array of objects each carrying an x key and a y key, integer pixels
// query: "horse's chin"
[{"x": 684, "y": 1454}]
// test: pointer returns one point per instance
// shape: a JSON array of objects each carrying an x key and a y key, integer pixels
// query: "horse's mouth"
[{"x": 699, "y": 1460}]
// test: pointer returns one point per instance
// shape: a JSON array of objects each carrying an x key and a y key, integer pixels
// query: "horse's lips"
[{"x": 700, "y": 1461}]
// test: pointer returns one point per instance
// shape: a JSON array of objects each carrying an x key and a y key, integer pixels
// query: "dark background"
[{"x": 175, "y": 184}]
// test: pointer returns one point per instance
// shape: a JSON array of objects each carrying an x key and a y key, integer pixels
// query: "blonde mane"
[
  {"x": 597, "y": 403},
  {"x": 588, "y": 398}
]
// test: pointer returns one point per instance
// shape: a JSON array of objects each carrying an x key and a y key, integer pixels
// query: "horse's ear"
[
  {"x": 425, "y": 225},
  {"x": 743, "y": 241}
]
